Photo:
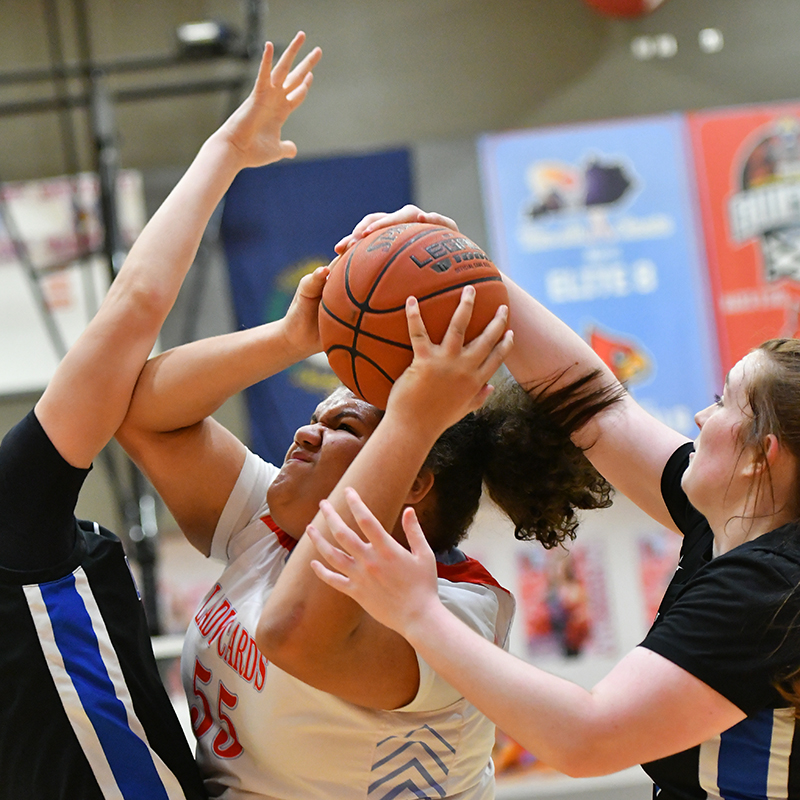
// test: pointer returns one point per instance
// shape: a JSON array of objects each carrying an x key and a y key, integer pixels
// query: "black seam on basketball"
[
  {"x": 437, "y": 293},
  {"x": 353, "y": 353},
  {"x": 403, "y": 248},
  {"x": 364, "y": 307},
  {"x": 337, "y": 318},
  {"x": 375, "y": 338},
  {"x": 357, "y": 326}
]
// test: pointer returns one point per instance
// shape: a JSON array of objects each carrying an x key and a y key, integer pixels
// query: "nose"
[
  {"x": 309, "y": 436},
  {"x": 701, "y": 416}
]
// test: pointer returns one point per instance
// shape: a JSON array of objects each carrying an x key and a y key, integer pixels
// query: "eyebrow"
[{"x": 340, "y": 415}]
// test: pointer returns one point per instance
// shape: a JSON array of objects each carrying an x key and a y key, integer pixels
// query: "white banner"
[{"x": 57, "y": 224}]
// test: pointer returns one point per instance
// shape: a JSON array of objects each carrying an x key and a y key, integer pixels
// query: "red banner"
[{"x": 748, "y": 176}]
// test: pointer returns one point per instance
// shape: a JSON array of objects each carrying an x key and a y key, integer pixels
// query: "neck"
[{"x": 739, "y": 530}]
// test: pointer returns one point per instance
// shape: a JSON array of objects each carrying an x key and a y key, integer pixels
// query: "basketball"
[{"x": 362, "y": 318}]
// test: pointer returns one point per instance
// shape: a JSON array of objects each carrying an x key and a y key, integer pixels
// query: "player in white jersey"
[
  {"x": 295, "y": 692},
  {"x": 284, "y": 738}
]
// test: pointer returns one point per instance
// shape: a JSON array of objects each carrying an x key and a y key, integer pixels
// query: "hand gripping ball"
[{"x": 362, "y": 318}]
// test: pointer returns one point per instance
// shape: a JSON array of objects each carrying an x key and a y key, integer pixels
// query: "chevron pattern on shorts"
[{"x": 411, "y": 767}]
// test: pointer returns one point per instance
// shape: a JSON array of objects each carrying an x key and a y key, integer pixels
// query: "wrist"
[
  {"x": 418, "y": 418},
  {"x": 295, "y": 348},
  {"x": 423, "y": 622},
  {"x": 411, "y": 438},
  {"x": 224, "y": 152}
]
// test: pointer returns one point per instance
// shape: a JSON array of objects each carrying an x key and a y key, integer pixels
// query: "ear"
[
  {"x": 772, "y": 450},
  {"x": 423, "y": 483}
]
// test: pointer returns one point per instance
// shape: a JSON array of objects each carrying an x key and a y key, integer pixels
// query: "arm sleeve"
[
  {"x": 38, "y": 494},
  {"x": 731, "y": 627}
]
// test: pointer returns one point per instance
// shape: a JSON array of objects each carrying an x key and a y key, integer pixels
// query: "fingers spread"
[
  {"x": 334, "y": 579},
  {"x": 301, "y": 72},
  {"x": 372, "y": 529},
  {"x": 333, "y": 555},
  {"x": 281, "y": 69},
  {"x": 264, "y": 69},
  {"x": 414, "y": 533}
]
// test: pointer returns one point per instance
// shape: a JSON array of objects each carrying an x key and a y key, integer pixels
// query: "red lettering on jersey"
[
  {"x": 261, "y": 677},
  {"x": 250, "y": 663},
  {"x": 223, "y": 625},
  {"x": 214, "y": 617},
  {"x": 244, "y": 641},
  {"x": 222, "y": 642},
  {"x": 199, "y": 615},
  {"x": 228, "y": 657}
]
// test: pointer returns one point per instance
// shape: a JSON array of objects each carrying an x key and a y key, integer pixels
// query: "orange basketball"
[{"x": 362, "y": 318}]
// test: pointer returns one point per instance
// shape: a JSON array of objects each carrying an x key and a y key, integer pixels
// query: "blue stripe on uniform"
[
  {"x": 128, "y": 756},
  {"x": 744, "y": 754}
]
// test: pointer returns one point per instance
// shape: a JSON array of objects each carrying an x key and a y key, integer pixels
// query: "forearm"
[
  {"x": 383, "y": 474},
  {"x": 189, "y": 383},
  {"x": 559, "y": 722},
  {"x": 162, "y": 254},
  {"x": 99, "y": 372},
  {"x": 627, "y": 445},
  {"x": 579, "y": 732},
  {"x": 545, "y": 346}
]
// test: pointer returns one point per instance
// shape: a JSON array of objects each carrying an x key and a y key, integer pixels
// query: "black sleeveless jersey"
[{"x": 84, "y": 713}]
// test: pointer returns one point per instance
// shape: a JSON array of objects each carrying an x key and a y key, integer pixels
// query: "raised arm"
[
  {"x": 317, "y": 634},
  {"x": 95, "y": 380},
  {"x": 627, "y": 445}
]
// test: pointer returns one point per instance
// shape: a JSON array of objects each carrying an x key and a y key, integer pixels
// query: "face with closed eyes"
[{"x": 318, "y": 457}]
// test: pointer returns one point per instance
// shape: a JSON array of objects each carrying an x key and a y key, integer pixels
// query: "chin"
[{"x": 686, "y": 484}]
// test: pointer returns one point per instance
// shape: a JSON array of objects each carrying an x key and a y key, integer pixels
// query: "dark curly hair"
[{"x": 518, "y": 445}]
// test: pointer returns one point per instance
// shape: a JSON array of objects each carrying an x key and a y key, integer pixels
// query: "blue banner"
[
  {"x": 599, "y": 223},
  {"x": 279, "y": 223}
]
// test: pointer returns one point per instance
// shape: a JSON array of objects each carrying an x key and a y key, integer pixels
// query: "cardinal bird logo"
[{"x": 625, "y": 358}]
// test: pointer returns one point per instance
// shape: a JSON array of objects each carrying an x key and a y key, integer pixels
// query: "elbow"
[
  {"x": 134, "y": 439},
  {"x": 296, "y": 641},
  {"x": 128, "y": 437},
  {"x": 280, "y": 638},
  {"x": 589, "y": 757},
  {"x": 581, "y": 766},
  {"x": 142, "y": 303}
]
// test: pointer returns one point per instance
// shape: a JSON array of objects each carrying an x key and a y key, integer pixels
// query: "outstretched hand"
[
  {"x": 254, "y": 129},
  {"x": 395, "y": 586},
  {"x": 381, "y": 219}
]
